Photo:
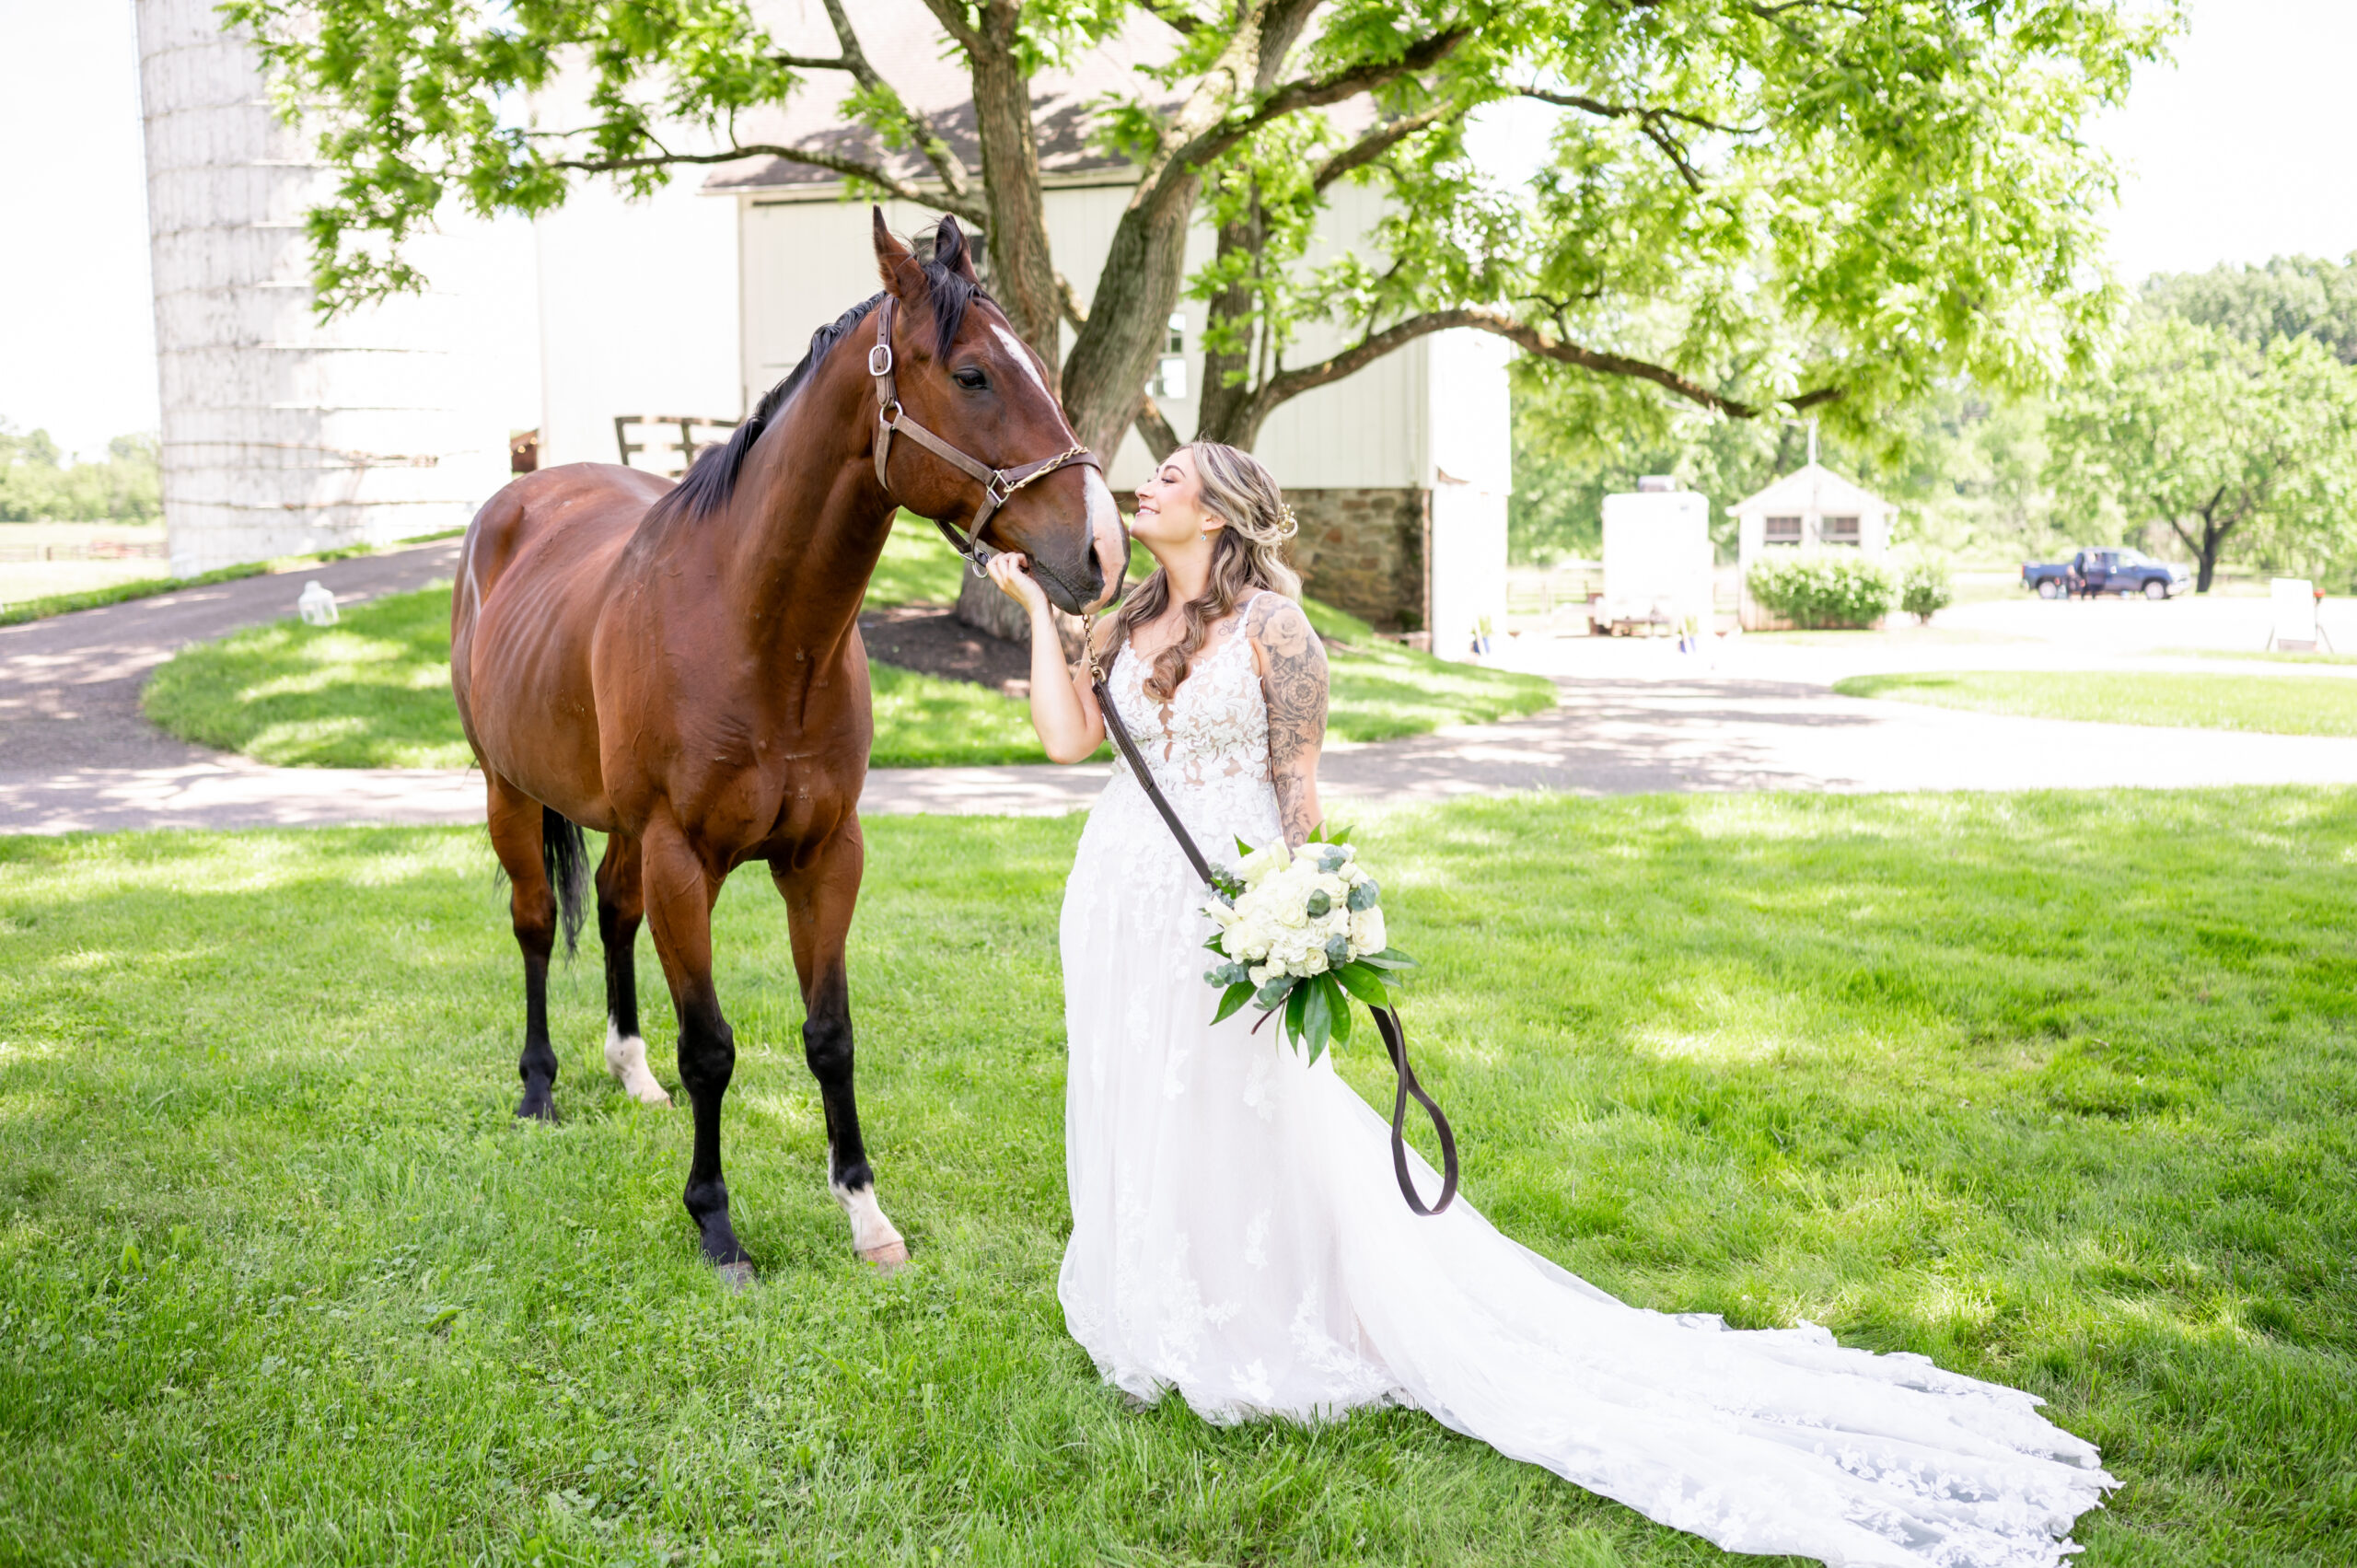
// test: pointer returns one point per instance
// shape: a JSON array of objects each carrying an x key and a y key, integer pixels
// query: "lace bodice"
[{"x": 1211, "y": 741}]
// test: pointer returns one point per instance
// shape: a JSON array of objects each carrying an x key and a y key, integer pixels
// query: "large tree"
[
  {"x": 1746, "y": 205},
  {"x": 2226, "y": 444}
]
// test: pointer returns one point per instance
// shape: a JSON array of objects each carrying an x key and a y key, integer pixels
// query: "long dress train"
[{"x": 1237, "y": 1237}]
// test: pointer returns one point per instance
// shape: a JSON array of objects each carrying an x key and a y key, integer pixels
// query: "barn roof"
[
  {"x": 905, "y": 44},
  {"x": 1812, "y": 488}
]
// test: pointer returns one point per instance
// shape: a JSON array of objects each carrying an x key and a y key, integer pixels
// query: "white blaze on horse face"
[
  {"x": 1021, "y": 355},
  {"x": 1104, "y": 525},
  {"x": 626, "y": 1060},
  {"x": 872, "y": 1236}
]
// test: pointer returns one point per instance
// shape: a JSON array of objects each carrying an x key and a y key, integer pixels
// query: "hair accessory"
[{"x": 1287, "y": 525}]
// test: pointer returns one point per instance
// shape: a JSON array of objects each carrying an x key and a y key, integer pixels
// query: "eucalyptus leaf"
[{"x": 1278, "y": 988}]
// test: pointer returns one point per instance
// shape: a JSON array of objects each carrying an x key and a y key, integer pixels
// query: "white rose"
[
  {"x": 1366, "y": 931},
  {"x": 1314, "y": 961}
]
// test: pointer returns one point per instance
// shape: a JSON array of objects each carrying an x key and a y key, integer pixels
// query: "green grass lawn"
[
  {"x": 373, "y": 689},
  {"x": 281, "y": 1282},
  {"x": 2272, "y": 704}
]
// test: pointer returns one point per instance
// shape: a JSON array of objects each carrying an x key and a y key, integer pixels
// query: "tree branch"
[
  {"x": 1309, "y": 92},
  {"x": 848, "y": 166},
  {"x": 1293, "y": 383},
  {"x": 937, "y": 152},
  {"x": 1154, "y": 430},
  {"x": 1074, "y": 311},
  {"x": 1170, "y": 13},
  {"x": 1630, "y": 111},
  {"x": 952, "y": 18},
  {"x": 1377, "y": 142}
]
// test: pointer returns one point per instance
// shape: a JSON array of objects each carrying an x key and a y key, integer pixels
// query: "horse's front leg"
[
  {"x": 819, "y": 896},
  {"x": 679, "y": 893}
]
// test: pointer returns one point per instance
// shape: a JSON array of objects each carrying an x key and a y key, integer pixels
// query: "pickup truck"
[{"x": 2121, "y": 572}]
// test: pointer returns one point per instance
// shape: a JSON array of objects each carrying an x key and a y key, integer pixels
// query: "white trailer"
[{"x": 1658, "y": 563}]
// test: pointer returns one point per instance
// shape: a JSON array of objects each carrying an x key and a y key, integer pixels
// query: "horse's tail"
[{"x": 564, "y": 855}]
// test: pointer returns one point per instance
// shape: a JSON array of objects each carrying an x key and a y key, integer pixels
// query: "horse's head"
[{"x": 962, "y": 373}]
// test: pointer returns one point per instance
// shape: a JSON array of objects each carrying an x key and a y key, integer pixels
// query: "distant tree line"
[
  {"x": 2221, "y": 428},
  {"x": 37, "y": 484}
]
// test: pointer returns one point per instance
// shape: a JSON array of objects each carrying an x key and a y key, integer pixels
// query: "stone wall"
[{"x": 1363, "y": 551}]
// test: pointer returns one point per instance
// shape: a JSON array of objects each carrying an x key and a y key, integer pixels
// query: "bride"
[{"x": 1236, "y": 1234}]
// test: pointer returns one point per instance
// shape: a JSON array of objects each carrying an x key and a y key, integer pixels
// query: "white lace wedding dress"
[{"x": 1238, "y": 1235}]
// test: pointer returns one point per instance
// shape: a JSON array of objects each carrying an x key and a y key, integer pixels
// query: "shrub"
[
  {"x": 1821, "y": 589},
  {"x": 1923, "y": 589}
]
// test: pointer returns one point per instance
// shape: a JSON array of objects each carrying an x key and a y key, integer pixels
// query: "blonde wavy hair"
[{"x": 1247, "y": 555}]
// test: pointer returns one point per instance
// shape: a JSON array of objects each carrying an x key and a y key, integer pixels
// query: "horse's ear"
[
  {"x": 896, "y": 263},
  {"x": 949, "y": 248}
]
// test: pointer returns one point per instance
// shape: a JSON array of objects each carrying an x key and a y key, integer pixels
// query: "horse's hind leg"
[
  {"x": 679, "y": 894},
  {"x": 621, "y": 903},
  {"x": 820, "y": 897},
  {"x": 531, "y": 901}
]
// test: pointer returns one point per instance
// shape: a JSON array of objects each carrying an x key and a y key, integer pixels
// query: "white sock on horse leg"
[
  {"x": 626, "y": 1060},
  {"x": 871, "y": 1233}
]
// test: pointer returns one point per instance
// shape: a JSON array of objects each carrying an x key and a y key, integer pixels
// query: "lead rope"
[{"x": 1387, "y": 1019}]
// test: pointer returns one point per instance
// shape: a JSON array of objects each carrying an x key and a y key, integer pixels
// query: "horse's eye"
[{"x": 972, "y": 380}]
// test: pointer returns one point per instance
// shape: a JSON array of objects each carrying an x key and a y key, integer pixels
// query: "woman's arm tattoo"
[{"x": 1296, "y": 689}]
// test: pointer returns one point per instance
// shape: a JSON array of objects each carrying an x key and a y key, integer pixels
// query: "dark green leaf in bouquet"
[
  {"x": 1389, "y": 959},
  {"x": 1317, "y": 1020},
  {"x": 1366, "y": 984},
  {"x": 1234, "y": 996},
  {"x": 1338, "y": 1007},
  {"x": 1243, "y": 848},
  {"x": 1295, "y": 1002}
]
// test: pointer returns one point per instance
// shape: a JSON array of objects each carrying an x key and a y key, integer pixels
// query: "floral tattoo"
[{"x": 1296, "y": 690}]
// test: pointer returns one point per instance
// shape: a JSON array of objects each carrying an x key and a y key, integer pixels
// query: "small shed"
[{"x": 1808, "y": 509}]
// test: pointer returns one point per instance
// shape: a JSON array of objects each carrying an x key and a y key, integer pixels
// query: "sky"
[{"x": 2239, "y": 151}]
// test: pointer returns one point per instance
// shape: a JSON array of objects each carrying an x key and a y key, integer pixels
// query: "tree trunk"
[
  {"x": 1227, "y": 389},
  {"x": 982, "y": 606},
  {"x": 1104, "y": 381},
  {"x": 1023, "y": 273},
  {"x": 2214, "y": 540}
]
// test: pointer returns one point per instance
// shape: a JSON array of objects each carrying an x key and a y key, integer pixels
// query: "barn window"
[
  {"x": 1170, "y": 370},
  {"x": 1783, "y": 530},
  {"x": 1842, "y": 530}
]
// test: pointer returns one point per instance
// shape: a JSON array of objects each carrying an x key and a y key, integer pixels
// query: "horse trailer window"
[
  {"x": 1842, "y": 530},
  {"x": 1783, "y": 530}
]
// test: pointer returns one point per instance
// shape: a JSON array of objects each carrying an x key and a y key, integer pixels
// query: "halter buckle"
[{"x": 879, "y": 360}]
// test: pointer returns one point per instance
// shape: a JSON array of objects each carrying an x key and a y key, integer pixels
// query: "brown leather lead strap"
[
  {"x": 1386, "y": 1020},
  {"x": 1395, "y": 1042}
]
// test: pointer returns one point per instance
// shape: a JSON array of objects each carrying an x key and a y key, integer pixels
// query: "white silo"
[{"x": 283, "y": 433}]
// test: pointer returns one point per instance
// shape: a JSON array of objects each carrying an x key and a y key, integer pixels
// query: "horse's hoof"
[
  {"x": 736, "y": 1276},
  {"x": 887, "y": 1259}
]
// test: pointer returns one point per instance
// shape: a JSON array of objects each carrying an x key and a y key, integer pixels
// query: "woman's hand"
[
  {"x": 1012, "y": 573},
  {"x": 1064, "y": 709}
]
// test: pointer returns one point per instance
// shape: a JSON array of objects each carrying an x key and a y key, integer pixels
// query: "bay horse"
[{"x": 679, "y": 667}]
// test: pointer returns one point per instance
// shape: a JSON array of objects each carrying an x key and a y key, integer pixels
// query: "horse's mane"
[{"x": 711, "y": 480}]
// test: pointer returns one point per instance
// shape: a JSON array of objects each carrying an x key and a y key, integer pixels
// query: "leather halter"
[{"x": 998, "y": 484}]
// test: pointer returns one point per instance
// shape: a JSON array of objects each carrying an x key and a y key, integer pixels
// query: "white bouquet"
[{"x": 1302, "y": 932}]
